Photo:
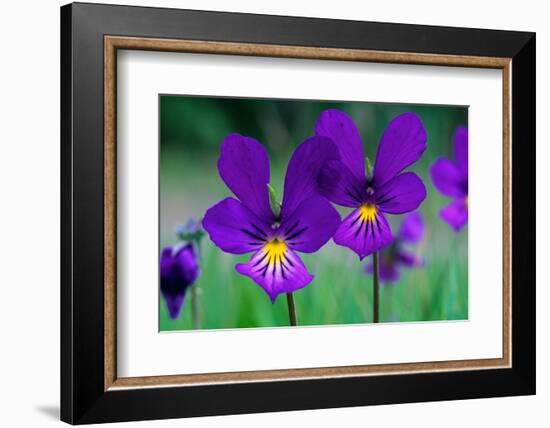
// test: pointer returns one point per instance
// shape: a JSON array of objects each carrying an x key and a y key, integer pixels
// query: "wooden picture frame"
[{"x": 91, "y": 390}]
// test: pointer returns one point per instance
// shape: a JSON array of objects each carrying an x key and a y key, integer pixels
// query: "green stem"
[
  {"x": 375, "y": 289},
  {"x": 195, "y": 311},
  {"x": 291, "y": 309},
  {"x": 195, "y": 293}
]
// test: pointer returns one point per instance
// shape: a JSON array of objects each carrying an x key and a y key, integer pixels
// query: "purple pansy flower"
[
  {"x": 451, "y": 179},
  {"x": 387, "y": 190},
  {"x": 395, "y": 255},
  {"x": 179, "y": 269},
  {"x": 305, "y": 221}
]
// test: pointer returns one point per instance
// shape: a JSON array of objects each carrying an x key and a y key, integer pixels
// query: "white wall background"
[{"x": 29, "y": 213}]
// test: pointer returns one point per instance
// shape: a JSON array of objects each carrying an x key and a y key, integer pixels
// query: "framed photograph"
[{"x": 266, "y": 213}]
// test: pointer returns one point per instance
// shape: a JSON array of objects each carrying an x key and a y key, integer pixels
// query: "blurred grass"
[{"x": 192, "y": 129}]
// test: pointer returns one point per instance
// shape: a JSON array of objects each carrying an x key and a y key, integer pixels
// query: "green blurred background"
[{"x": 191, "y": 131}]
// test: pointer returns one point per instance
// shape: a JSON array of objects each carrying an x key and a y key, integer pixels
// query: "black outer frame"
[{"x": 83, "y": 399}]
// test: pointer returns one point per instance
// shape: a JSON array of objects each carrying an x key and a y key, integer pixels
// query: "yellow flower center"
[
  {"x": 367, "y": 212},
  {"x": 275, "y": 251}
]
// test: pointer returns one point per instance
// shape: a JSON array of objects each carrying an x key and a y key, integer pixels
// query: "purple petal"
[
  {"x": 412, "y": 228},
  {"x": 276, "y": 270},
  {"x": 244, "y": 167},
  {"x": 234, "y": 228},
  {"x": 447, "y": 178},
  {"x": 401, "y": 194},
  {"x": 387, "y": 272},
  {"x": 179, "y": 268},
  {"x": 461, "y": 149},
  {"x": 303, "y": 169},
  {"x": 456, "y": 214},
  {"x": 402, "y": 144},
  {"x": 311, "y": 225},
  {"x": 339, "y": 127},
  {"x": 339, "y": 185},
  {"x": 364, "y": 234},
  {"x": 409, "y": 259},
  {"x": 174, "y": 303},
  {"x": 166, "y": 260}
]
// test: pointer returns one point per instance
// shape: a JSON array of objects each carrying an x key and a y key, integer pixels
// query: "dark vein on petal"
[
  {"x": 252, "y": 234},
  {"x": 369, "y": 227},
  {"x": 386, "y": 200},
  {"x": 352, "y": 196},
  {"x": 355, "y": 221},
  {"x": 357, "y": 193},
  {"x": 261, "y": 260},
  {"x": 297, "y": 233},
  {"x": 378, "y": 223},
  {"x": 283, "y": 267},
  {"x": 260, "y": 231},
  {"x": 289, "y": 261},
  {"x": 264, "y": 271},
  {"x": 294, "y": 226},
  {"x": 275, "y": 262},
  {"x": 360, "y": 228},
  {"x": 294, "y": 243}
]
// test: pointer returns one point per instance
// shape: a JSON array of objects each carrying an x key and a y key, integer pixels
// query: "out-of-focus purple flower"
[
  {"x": 451, "y": 179},
  {"x": 395, "y": 255},
  {"x": 179, "y": 269},
  {"x": 386, "y": 190},
  {"x": 274, "y": 232}
]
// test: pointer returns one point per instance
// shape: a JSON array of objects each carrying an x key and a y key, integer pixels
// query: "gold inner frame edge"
[{"x": 113, "y": 43}]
